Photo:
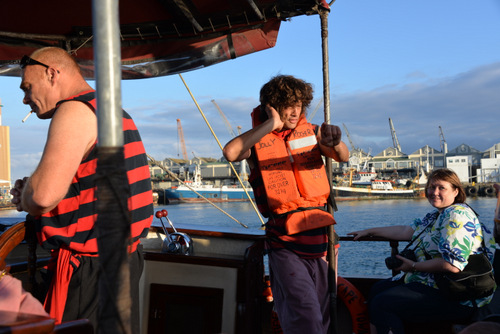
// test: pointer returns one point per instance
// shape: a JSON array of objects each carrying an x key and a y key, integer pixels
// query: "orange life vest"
[{"x": 294, "y": 177}]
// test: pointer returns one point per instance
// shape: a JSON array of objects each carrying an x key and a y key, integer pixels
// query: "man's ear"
[{"x": 52, "y": 73}]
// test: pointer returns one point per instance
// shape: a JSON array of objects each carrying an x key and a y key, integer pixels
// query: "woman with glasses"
[{"x": 442, "y": 242}]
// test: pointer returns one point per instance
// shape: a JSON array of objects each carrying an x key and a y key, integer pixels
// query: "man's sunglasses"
[{"x": 25, "y": 61}]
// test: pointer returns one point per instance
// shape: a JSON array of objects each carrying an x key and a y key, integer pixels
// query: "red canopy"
[{"x": 158, "y": 37}]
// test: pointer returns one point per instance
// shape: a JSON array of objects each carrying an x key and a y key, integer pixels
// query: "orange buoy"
[{"x": 268, "y": 293}]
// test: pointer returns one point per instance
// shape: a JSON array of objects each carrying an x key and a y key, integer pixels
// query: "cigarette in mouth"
[{"x": 29, "y": 114}]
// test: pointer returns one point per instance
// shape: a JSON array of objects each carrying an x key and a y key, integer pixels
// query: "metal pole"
[
  {"x": 107, "y": 58},
  {"x": 332, "y": 261},
  {"x": 113, "y": 218}
]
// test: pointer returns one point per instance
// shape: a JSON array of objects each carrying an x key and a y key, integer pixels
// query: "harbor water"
[{"x": 355, "y": 258}]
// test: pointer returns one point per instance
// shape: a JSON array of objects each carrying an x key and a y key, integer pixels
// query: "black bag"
[{"x": 474, "y": 282}]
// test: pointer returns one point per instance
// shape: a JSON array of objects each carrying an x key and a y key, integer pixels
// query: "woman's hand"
[
  {"x": 360, "y": 234},
  {"x": 407, "y": 266}
]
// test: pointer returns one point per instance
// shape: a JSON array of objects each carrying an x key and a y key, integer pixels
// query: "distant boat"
[
  {"x": 363, "y": 178},
  {"x": 196, "y": 191},
  {"x": 366, "y": 184},
  {"x": 377, "y": 188}
]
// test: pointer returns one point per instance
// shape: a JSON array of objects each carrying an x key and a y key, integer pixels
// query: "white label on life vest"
[{"x": 302, "y": 142}]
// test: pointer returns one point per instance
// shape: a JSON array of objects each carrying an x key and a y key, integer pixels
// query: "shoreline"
[{"x": 7, "y": 206}]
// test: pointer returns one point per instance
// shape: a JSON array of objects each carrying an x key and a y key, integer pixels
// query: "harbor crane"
[
  {"x": 348, "y": 137},
  {"x": 444, "y": 145},
  {"x": 311, "y": 115},
  {"x": 180, "y": 133},
  {"x": 395, "y": 140},
  {"x": 243, "y": 164},
  {"x": 228, "y": 125}
]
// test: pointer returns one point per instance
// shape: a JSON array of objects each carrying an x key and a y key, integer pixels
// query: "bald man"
[{"x": 61, "y": 192}]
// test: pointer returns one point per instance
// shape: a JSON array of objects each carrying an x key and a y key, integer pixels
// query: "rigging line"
[
  {"x": 81, "y": 45},
  {"x": 197, "y": 193},
  {"x": 218, "y": 142}
]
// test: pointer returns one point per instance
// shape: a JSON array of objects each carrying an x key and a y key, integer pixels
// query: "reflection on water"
[
  {"x": 355, "y": 257},
  {"x": 208, "y": 215}
]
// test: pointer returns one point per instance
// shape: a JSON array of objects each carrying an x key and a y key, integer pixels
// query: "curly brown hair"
[
  {"x": 284, "y": 91},
  {"x": 445, "y": 174}
]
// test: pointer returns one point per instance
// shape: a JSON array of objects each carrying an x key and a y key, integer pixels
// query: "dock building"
[
  {"x": 472, "y": 165},
  {"x": 5, "y": 175}
]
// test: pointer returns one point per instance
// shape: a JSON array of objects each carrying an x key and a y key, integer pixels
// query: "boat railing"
[{"x": 393, "y": 244}]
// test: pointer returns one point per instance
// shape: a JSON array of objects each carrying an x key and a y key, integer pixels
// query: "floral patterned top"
[{"x": 454, "y": 234}]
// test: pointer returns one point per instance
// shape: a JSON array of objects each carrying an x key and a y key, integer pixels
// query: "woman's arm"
[
  {"x": 435, "y": 265},
  {"x": 398, "y": 232}
]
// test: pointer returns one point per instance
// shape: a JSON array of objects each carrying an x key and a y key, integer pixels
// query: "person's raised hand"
[
  {"x": 275, "y": 117},
  {"x": 331, "y": 135}
]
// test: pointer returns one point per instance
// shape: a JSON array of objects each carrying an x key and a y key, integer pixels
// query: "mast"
[{"x": 323, "y": 12}]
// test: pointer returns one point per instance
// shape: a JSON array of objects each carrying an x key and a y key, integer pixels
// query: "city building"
[
  {"x": 5, "y": 176},
  {"x": 462, "y": 165},
  {"x": 489, "y": 171},
  {"x": 428, "y": 156}
]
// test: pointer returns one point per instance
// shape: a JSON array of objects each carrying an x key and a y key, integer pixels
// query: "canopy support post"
[{"x": 332, "y": 251}]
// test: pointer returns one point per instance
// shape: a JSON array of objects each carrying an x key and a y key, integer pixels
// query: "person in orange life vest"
[
  {"x": 60, "y": 193},
  {"x": 291, "y": 188}
]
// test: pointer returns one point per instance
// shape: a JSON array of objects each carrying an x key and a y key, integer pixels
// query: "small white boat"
[
  {"x": 366, "y": 184},
  {"x": 376, "y": 188}
]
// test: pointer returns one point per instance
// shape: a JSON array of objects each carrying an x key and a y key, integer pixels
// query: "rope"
[
  {"x": 154, "y": 162},
  {"x": 218, "y": 142}
]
